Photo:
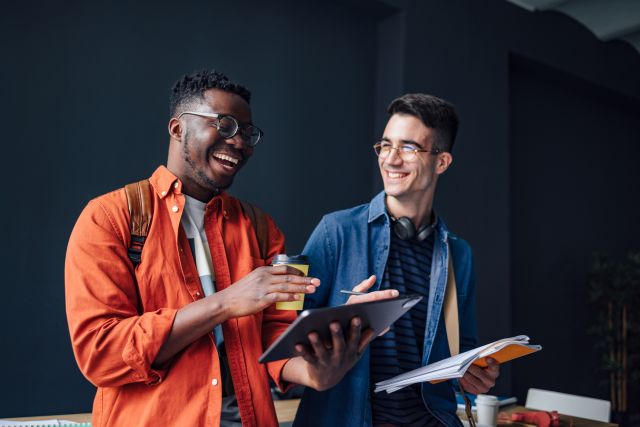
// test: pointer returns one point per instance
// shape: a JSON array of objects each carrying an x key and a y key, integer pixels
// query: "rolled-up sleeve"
[
  {"x": 275, "y": 323},
  {"x": 113, "y": 342}
]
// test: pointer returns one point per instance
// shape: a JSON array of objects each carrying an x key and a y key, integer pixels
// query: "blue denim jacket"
[{"x": 347, "y": 247}]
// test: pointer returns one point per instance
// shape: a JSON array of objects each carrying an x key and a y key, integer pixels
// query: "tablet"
[{"x": 376, "y": 315}]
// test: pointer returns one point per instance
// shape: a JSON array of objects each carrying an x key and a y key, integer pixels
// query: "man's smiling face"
[
  {"x": 209, "y": 162},
  {"x": 408, "y": 179}
]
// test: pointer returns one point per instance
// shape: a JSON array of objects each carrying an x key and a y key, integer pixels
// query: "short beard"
[{"x": 203, "y": 179}]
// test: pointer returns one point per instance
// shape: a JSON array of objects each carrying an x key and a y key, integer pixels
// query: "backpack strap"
[
  {"x": 140, "y": 202},
  {"x": 452, "y": 326},
  {"x": 259, "y": 220},
  {"x": 451, "y": 310}
]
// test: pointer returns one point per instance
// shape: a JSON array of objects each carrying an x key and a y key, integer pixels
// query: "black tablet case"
[{"x": 377, "y": 315}]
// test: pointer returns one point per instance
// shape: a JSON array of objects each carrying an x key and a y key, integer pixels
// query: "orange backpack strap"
[
  {"x": 259, "y": 220},
  {"x": 140, "y": 202}
]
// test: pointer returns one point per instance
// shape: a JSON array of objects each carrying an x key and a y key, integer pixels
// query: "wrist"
[
  {"x": 313, "y": 379},
  {"x": 219, "y": 309},
  {"x": 298, "y": 371}
]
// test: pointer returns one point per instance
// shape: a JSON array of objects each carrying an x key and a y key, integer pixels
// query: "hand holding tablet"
[{"x": 377, "y": 315}]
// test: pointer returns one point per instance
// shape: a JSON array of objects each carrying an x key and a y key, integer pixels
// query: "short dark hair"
[
  {"x": 191, "y": 87},
  {"x": 434, "y": 112}
]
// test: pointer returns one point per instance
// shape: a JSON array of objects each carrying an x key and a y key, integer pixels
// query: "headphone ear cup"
[
  {"x": 404, "y": 229},
  {"x": 424, "y": 232}
]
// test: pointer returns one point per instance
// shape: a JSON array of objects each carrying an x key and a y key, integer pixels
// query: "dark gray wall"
[
  {"x": 574, "y": 177},
  {"x": 461, "y": 50},
  {"x": 85, "y": 89},
  {"x": 85, "y": 101}
]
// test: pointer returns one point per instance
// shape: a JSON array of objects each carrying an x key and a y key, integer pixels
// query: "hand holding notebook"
[{"x": 455, "y": 367}]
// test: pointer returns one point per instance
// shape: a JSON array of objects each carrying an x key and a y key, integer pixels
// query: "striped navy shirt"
[{"x": 408, "y": 270}]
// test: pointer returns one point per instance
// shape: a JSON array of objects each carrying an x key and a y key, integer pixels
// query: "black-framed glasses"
[
  {"x": 407, "y": 152},
  {"x": 228, "y": 127}
]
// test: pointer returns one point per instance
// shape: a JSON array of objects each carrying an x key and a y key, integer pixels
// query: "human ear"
[
  {"x": 444, "y": 161},
  {"x": 175, "y": 129}
]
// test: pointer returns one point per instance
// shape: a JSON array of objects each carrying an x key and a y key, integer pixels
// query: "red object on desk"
[{"x": 539, "y": 418}]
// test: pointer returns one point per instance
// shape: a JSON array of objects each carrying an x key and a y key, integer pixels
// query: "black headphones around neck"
[{"x": 404, "y": 229}]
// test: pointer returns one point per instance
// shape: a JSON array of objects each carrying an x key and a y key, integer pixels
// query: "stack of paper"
[{"x": 454, "y": 367}]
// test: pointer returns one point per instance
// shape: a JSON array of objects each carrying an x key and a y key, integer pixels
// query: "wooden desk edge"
[{"x": 285, "y": 410}]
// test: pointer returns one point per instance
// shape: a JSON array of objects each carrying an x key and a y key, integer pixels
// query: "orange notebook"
[{"x": 507, "y": 353}]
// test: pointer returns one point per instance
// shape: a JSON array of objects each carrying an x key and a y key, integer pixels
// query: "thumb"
[{"x": 366, "y": 284}]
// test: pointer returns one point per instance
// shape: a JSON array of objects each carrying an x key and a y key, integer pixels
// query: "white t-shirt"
[{"x": 193, "y": 224}]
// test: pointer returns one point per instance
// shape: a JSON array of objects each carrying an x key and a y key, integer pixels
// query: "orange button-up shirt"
[{"x": 120, "y": 317}]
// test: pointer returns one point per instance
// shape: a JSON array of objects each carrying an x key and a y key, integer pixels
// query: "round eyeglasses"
[
  {"x": 407, "y": 152},
  {"x": 228, "y": 127}
]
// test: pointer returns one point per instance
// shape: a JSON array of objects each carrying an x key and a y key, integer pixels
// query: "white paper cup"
[{"x": 487, "y": 409}]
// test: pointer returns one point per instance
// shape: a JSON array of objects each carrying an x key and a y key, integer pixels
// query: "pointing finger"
[{"x": 365, "y": 285}]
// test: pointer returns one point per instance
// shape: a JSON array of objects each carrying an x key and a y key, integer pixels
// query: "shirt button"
[
  {"x": 214, "y": 381},
  {"x": 164, "y": 193},
  {"x": 176, "y": 185},
  {"x": 175, "y": 208},
  {"x": 198, "y": 293}
]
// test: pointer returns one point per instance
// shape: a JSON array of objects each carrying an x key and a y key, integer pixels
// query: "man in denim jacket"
[{"x": 399, "y": 242}]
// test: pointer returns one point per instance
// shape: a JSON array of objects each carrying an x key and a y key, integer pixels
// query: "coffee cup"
[
  {"x": 487, "y": 409},
  {"x": 299, "y": 262}
]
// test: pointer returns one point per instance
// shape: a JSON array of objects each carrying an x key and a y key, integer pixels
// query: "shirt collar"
[
  {"x": 377, "y": 207},
  {"x": 164, "y": 182},
  {"x": 222, "y": 202}
]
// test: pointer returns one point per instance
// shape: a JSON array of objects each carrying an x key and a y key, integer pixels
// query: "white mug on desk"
[{"x": 487, "y": 409}]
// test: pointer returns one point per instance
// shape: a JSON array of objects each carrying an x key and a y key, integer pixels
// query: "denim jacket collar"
[{"x": 378, "y": 207}]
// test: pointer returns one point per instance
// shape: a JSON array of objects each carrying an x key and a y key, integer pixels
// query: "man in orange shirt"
[{"x": 174, "y": 340}]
